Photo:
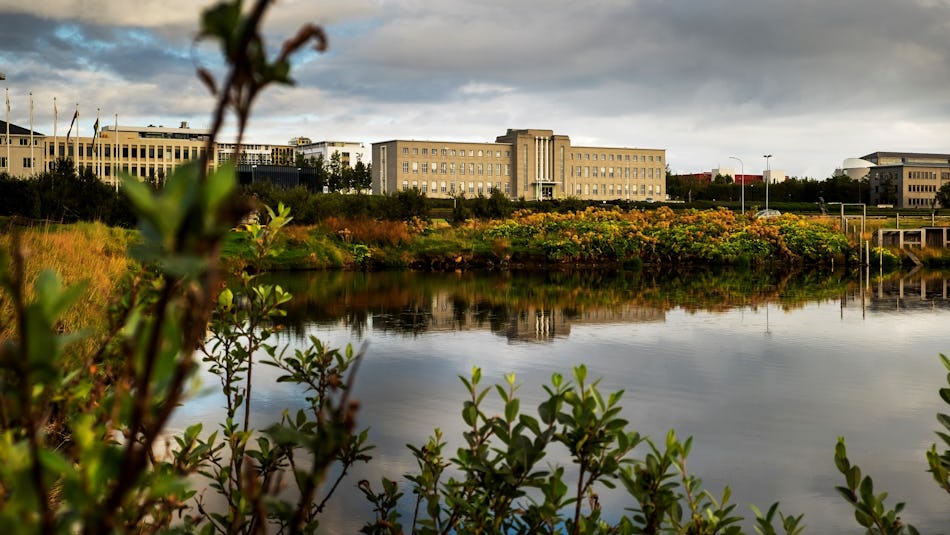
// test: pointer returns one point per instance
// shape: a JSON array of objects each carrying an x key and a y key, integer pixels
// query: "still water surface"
[{"x": 764, "y": 371}]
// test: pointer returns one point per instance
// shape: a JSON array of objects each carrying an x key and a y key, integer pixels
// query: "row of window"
[
  {"x": 604, "y": 157},
  {"x": 126, "y": 151},
  {"x": 26, "y": 141},
  {"x": 919, "y": 202},
  {"x": 473, "y": 187},
  {"x": 27, "y": 163},
  {"x": 463, "y": 168},
  {"x": 425, "y": 151},
  {"x": 922, "y": 188},
  {"x": 617, "y": 190},
  {"x": 619, "y": 172},
  {"x": 923, "y": 174},
  {"x": 453, "y": 188}
]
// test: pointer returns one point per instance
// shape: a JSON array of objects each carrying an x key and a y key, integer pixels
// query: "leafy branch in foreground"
[{"x": 494, "y": 484}]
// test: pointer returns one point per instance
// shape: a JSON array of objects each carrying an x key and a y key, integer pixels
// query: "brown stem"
[{"x": 25, "y": 391}]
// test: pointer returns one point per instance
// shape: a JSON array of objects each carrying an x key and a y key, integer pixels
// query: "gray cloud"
[{"x": 704, "y": 80}]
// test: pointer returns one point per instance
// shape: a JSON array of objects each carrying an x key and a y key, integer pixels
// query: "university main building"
[{"x": 529, "y": 164}]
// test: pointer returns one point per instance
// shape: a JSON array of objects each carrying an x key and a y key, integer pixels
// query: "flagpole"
[
  {"x": 76, "y": 140},
  {"x": 9, "y": 164},
  {"x": 32, "y": 155},
  {"x": 95, "y": 149},
  {"x": 55, "y": 122},
  {"x": 115, "y": 153}
]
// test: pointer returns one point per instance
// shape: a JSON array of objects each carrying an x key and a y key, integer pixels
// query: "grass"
[{"x": 92, "y": 254}]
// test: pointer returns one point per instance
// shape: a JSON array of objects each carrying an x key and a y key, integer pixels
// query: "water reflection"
[
  {"x": 536, "y": 306},
  {"x": 764, "y": 370}
]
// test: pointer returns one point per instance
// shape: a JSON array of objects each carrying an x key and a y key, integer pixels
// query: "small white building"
[
  {"x": 773, "y": 176},
  {"x": 350, "y": 151}
]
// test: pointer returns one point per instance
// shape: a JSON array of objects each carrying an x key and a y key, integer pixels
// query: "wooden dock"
[{"x": 920, "y": 238}]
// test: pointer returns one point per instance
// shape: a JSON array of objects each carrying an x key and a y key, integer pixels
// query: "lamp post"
[
  {"x": 768, "y": 178},
  {"x": 741, "y": 172},
  {"x": 253, "y": 178}
]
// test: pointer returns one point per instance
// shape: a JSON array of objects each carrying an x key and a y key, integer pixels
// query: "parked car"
[{"x": 771, "y": 212}]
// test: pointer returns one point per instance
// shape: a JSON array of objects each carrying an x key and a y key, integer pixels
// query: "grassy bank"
[
  {"x": 594, "y": 238},
  {"x": 92, "y": 254}
]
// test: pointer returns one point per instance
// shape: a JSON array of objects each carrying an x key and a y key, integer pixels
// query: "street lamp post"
[
  {"x": 253, "y": 178},
  {"x": 768, "y": 178},
  {"x": 741, "y": 172}
]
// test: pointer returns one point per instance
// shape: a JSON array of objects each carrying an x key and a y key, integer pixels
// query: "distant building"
[
  {"x": 774, "y": 176},
  {"x": 255, "y": 154},
  {"x": 907, "y": 179},
  {"x": 737, "y": 178},
  {"x": 533, "y": 164},
  {"x": 148, "y": 152},
  {"x": 350, "y": 152},
  {"x": 23, "y": 155}
]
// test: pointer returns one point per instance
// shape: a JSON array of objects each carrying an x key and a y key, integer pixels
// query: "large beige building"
[
  {"x": 533, "y": 164},
  {"x": 907, "y": 179},
  {"x": 149, "y": 152}
]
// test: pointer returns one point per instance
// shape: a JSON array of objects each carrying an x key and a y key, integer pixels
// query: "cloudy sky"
[{"x": 810, "y": 81}]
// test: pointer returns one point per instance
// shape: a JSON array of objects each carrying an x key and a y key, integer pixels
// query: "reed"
[{"x": 89, "y": 253}]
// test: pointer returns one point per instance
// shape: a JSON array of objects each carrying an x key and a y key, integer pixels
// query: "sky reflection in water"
[{"x": 763, "y": 381}]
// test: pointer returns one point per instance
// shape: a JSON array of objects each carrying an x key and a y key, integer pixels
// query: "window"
[
  {"x": 489, "y": 169},
  {"x": 462, "y": 168},
  {"x": 443, "y": 167},
  {"x": 425, "y": 151},
  {"x": 452, "y": 152},
  {"x": 161, "y": 154},
  {"x": 27, "y": 163},
  {"x": 135, "y": 152},
  {"x": 595, "y": 157},
  {"x": 24, "y": 141},
  {"x": 445, "y": 152},
  {"x": 415, "y": 151},
  {"x": 507, "y": 188},
  {"x": 481, "y": 169},
  {"x": 507, "y": 171},
  {"x": 405, "y": 167},
  {"x": 452, "y": 188},
  {"x": 452, "y": 167},
  {"x": 595, "y": 171},
  {"x": 471, "y": 187},
  {"x": 405, "y": 150},
  {"x": 442, "y": 189},
  {"x": 415, "y": 167},
  {"x": 425, "y": 168},
  {"x": 481, "y": 152}
]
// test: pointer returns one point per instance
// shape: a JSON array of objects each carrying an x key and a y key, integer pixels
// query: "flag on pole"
[
  {"x": 71, "y": 123},
  {"x": 95, "y": 151}
]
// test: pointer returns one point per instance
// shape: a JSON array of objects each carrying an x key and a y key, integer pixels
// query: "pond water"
[{"x": 763, "y": 370}]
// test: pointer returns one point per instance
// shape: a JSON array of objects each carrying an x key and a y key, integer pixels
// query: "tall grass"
[{"x": 89, "y": 253}]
